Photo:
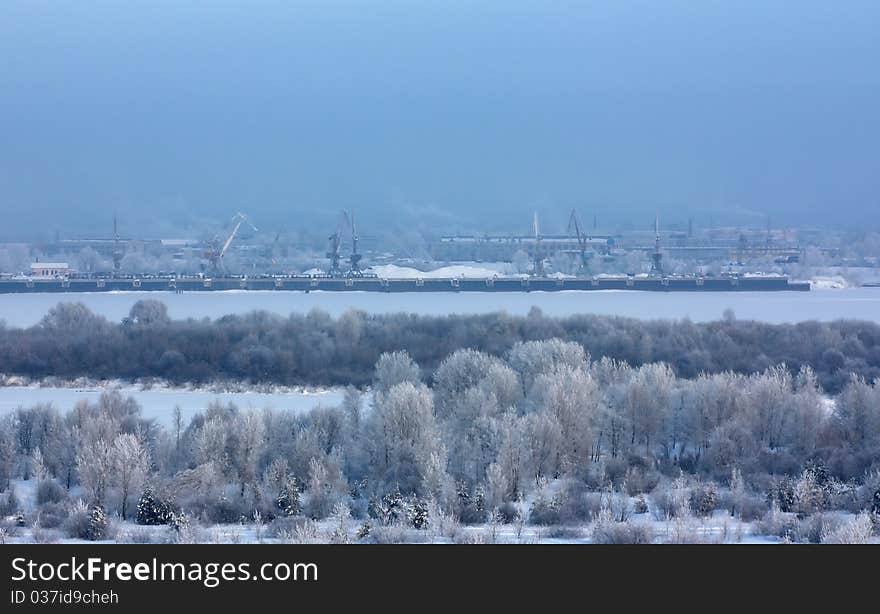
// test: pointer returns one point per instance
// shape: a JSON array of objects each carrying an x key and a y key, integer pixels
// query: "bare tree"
[
  {"x": 130, "y": 462},
  {"x": 94, "y": 464}
]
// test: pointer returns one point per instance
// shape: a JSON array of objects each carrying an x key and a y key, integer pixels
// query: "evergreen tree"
[
  {"x": 151, "y": 510},
  {"x": 418, "y": 514},
  {"x": 479, "y": 499},
  {"x": 97, "y": 528},
  {"x": 389, "y": 509},
  {"x": 287, "y": 500},
  {"x": 464, "y": 496}
]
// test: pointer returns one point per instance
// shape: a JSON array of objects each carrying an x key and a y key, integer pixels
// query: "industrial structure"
[
  {"x": 334, "y": 249},
  {"x": 312, "y": 283},
  {"x": 583, "y": 251},
  {"x": 215, "y": 254},
  {"x": 657, "y": 255},
  {"x": 118, "y": 253},
  {"x": 538, "y": 266}
]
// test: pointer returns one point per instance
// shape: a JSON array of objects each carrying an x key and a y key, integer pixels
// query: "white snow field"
[
  {"x": 158, "y": 402},
  {"x": 718, "y": 528},
  {"x": 22, "y": 310}
]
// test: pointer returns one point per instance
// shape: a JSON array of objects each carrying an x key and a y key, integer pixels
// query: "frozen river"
[
  {"x": 159, "y": 403},
  {"x": 778, "y": 307}
]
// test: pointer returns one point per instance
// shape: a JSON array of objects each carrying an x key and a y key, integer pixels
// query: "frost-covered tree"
[
  {"x": 808, "y": 415},
  {"x": 571, "y": 396},
  {"x": 767, "y": 408},
  {"x": 68, "y": 317},
  {"x": 511, "y": 458},
  {"x": 356, "y": 449},
  {"x": 857, "y": 413},
  {"x": 249, "y": 427},
  {"x": 471, "y": 430},
  {"x": 130, "y": 465},
  {"x": 404, "y": 436},
  {"x": 542, "y": 442},
  {"x": 394, "y": 368},
  {"x": 460, "y": 371},
  {"x": 327, "y": 486},
  {"x": 149, "y": 312},
  {"x": 213, "y": 442},
  {"x": 648, "y": 403},
  {"x": 531, "y": 359},
  {"x": 7, "y": 450},
  {"x": 94, "y": 464}
]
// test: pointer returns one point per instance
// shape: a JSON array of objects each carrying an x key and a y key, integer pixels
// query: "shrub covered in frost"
[{"x": 622, "y": 533}]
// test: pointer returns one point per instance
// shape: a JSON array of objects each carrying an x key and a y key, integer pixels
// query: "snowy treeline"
[
  {"x": 542, "y": 435},
  {"x": 315, "y": 349}
]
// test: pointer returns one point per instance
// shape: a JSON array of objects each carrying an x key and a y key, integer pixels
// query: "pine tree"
[
  {"x": 464, "y": 497},
  {"x": 418, "y": 514},
  {"x": 819, "y": 471},
  {"x": 393, "y": 504},
  {"x": 388, "y": 509},
  {"x": 784, "y": 495},
  {"x": 179, "y": 522},
  {"x": 479, "y": 499},
  {"x": 287, "y": 500},
  {"x": 97, "y": 528},
  {"x": 153, "y": 511}
]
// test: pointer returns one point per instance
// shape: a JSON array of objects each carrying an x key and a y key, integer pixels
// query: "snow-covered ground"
[
  {"x": 717, "y": 528},
  {"x": 392, "y": 271},
  {"x": 832, "y": 282},
  {"x": 158, "y": 400}
]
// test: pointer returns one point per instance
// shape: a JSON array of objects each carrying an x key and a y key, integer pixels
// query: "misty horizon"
[{"x": 448, "y": 119}]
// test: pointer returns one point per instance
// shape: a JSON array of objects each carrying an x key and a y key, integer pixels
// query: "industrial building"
[{"x": 49, "y": 270}]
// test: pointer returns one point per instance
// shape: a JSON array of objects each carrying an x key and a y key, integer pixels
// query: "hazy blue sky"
[{"x": 437, "y": 114}]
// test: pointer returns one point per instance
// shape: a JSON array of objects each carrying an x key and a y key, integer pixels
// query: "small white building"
[{"x": 50, "y": 269}]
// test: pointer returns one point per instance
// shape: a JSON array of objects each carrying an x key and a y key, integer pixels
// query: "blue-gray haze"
[{"x": 436, "y": 115}]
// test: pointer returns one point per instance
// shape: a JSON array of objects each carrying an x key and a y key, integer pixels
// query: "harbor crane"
[
  {"x": 657, "y": 255},
  {"x": 117, "y": 248},
  {"x": 334, "y": 248},
  {"x": 538, "y": 270},
  {"x": 273, "y": 251},
  {"x": 335, "y": 244},
  {"x": 585, "y": 256},
  {"x": 354, "y": 259},
  {"x": 215, "y": 254}
]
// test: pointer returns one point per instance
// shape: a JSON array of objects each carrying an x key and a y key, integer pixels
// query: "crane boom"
[
  {"x": 581, "y": 241},
  {"x": 354, "y": 267},
  {"x": 229, "y": 240},
  {"x": 216, "y": 255},
  {"x": 573, "y": 221},
  {"x": 538, "y": 267}
]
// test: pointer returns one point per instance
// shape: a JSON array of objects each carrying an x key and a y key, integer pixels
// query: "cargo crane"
[
  {"x": 335, "y": 243},
  {"x": 273, "y": 251},
  {"x": 657, "y": 255},
  {"x": 538, "y": 270},
  {"x": 215, "y": 254},
  {"x": 584, "y": 266},
  {"x": 117, "y": 248},
  {"x": 334, "y": 249},
  {"x": 354, "y": 260}
]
